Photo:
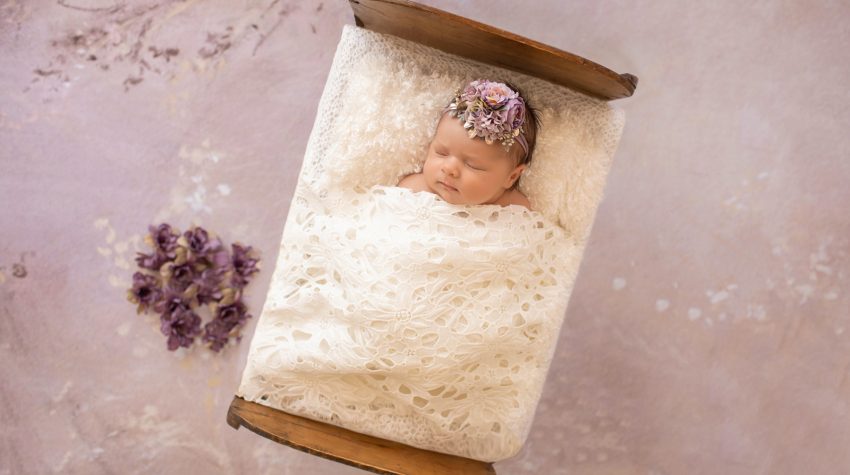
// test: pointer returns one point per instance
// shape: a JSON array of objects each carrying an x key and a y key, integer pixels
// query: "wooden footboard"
[{"x": 348, "y": 447}]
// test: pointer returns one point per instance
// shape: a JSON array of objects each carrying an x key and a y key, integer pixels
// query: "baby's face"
[{"x": 462, "y": 170}]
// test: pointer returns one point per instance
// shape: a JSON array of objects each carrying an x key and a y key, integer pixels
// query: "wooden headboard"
[{"x": 464, "y": 37}]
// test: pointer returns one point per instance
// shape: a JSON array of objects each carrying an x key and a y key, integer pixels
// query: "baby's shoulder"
[
  {"x": 514, "y": 197},
  {"x": 414, "y": 181}
]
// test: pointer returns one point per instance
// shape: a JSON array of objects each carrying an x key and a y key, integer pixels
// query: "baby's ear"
[{"x": 515, "y": 174}]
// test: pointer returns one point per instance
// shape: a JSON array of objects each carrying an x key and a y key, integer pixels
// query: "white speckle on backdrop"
[
  {"x": 140, "y": 351},
  {"x": 63, "y": 392},
  {"x": 716, "y": 297},
  {"x": 618, "y": 283},
  {"x": 756, "y": 312},
  {"x": 806, "y": 291},
  {"x": 122, "y": 252},
  {"x": 189, "y": 195},
  {"x": 123, "y": 329},
  {"x": 694, "y": 313}
]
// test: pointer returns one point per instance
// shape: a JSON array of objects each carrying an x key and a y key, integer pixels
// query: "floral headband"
[{"x": 491, "y": 110}]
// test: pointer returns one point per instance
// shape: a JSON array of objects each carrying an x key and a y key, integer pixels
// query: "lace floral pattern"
[{"x": 434, "y": 332}]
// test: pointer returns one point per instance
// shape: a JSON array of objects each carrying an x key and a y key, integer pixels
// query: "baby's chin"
[
  {"x": 448, "y": 196},
  {"x": 455, "y": 198}
]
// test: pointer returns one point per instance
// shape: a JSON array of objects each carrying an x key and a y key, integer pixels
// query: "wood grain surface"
[
  {"x": 468, "y": 38},
  {"x": 348, "y": 447}
]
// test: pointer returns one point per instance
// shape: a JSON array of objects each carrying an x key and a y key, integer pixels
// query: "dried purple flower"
[
  {"x": 171, "y": 303},
  {"x": 150, "y": 261},
  {"x": 227, "y": 318},
  {"x": 216, "y": 333},
  {"x": 178, "y": 277},
  {"x": 207, "y": 285},
  {"x": 164, "y": 239},
  {"x": 199, "y": 243},
  {"x": 229, "y": 296},
  {"x": 181, "y": 328},
  {"x": 244, "y": 265},
  {"x": 193, "y": 269},
  {"x": 234, "y": 314},
  {"x": 146, "y": 291},
  {"x": 220, "y": 260}
]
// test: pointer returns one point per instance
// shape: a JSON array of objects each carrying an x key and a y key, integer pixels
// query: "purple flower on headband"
[
  {"x": 515, "y": 114},
  {"x": 471, "y": 91},
  {"x": 490, "y": 110},
  {"x": 497, "y": 95}
]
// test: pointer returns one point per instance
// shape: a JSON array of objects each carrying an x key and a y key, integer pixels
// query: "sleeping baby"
[{"x": 464, "y": 162}]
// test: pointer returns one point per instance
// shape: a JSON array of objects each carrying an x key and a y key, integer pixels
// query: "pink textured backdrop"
[{"x": 707, "y": 332}]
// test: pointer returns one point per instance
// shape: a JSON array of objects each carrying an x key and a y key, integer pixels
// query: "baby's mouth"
[{"x": 448, "y": 187}]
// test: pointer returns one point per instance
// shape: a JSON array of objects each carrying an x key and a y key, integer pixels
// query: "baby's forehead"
[{"x": 475, "y": 147}]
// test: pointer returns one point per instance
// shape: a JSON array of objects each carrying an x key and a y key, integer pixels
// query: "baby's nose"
[{"x": 451, "y": 166}]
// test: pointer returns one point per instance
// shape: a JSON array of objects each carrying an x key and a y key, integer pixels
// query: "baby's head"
[{"x": 484, "y": 140}]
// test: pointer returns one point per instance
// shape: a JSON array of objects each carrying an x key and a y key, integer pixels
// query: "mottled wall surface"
[{"x": 708, "y": 329}]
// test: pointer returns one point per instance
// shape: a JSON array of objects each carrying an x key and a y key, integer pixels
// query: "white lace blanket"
[{"x": 398, "y": 315}]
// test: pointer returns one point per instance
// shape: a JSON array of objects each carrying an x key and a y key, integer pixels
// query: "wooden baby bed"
[{"x": 463, "y": 37}]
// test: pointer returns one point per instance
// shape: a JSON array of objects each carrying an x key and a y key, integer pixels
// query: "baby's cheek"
[{"x": 483, "y": 181}]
